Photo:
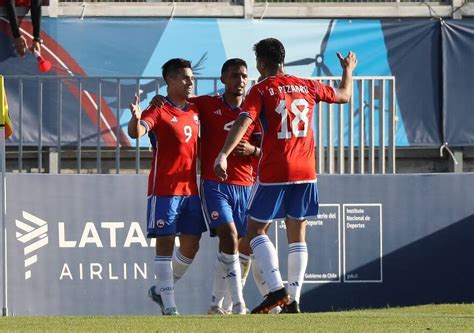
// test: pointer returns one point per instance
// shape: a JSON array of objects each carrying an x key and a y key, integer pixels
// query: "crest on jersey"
[
  {"x": 160, "y": 223},
  {"x": 196, "y": 119},
  {"x": 214, "y": 215}
]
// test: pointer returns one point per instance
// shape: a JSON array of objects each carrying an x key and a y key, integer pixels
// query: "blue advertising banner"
[
  {"x": 380, "y": 240},
  {"x": 458, "y": 82}
]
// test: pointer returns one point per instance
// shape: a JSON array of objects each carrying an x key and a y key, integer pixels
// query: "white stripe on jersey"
[{"x": 145, "y": 124}]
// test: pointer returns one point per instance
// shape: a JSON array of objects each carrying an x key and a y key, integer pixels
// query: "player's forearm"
[
  {"x": 135, "y": 129},
  {"x": 344, "y": 92},
  {"x": 11, "y": 15},
  {"x": 36, "y": 17},
  {"x": 235, "y": 135}
]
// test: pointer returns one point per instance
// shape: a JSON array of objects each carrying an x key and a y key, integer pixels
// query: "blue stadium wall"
[
  {"x": 432, "y": 63},
  {"x": 76, "y": 245}
]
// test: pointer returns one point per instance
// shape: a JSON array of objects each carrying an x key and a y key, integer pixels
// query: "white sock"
[
  {"x": 297, "y": 262},
  {"x": 219, "y": 286},
  {"x": 258, "y": 278},
  {"x": 165, "y": 285},
  {"x": 267, "y": 258},
  {"x": 233, "y": 277},
  {"x": 245, "y": 263},
  {"x": 227, "y": 301},
  {"x": 180, "y": 264}
]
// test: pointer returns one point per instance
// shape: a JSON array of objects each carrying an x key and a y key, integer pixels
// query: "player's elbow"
[
  {"x": 132, "y": 134},
  {"x": 343, "y": 96}
]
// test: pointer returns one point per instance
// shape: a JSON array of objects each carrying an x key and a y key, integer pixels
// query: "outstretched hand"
[
  {"x": 349, "y": 62},
  {"x": 135, "y": 108}
]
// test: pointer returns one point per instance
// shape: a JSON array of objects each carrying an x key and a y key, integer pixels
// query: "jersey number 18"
[{"x": 299, "y": 108}]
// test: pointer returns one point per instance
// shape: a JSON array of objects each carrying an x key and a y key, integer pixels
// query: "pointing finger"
[{"x": 339, "y": 55}]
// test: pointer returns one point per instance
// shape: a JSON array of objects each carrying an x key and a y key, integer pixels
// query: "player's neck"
[
  {"x": 280, "y": 70},
  {"x": 233, "y": 100},
  {"x": 177, "y": 101}
]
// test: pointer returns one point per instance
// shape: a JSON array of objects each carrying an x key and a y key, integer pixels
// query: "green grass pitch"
[{"x": 438, "y": 318}]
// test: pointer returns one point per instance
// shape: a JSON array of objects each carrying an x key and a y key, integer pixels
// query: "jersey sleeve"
[
  {"x": 253, "y": 104},
  {"x": 324, "y": 93},
  {"x": 150, "y": 117}
]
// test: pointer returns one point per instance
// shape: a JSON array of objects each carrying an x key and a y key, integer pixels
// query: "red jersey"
[
  {"x": 284, "y": 106},
  {"x": 174, "y": 137},
  {"x": 217, "y": 118}
]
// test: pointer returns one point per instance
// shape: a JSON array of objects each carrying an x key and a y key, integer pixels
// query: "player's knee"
[
  {"x": 244, "y": 246},
  {"x": 189, "y": 246},
  {"x": 164, "y": 245},
  {"x": 190, "y": 250},
  {"x": 255, "y": 229},
  {"x": 228, "y": 240}
]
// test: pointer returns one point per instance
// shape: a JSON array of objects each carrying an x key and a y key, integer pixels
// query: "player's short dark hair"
[
  {"x": 270, "y": 50},
  {"x": 172, "y": 66},
  {"x": 234, "y": 62}
]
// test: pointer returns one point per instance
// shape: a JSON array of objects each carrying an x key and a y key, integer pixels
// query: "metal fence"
[{"x": 78, "y": 125}]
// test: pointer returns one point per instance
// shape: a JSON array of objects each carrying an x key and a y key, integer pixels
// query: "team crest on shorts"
[
  {"x": 214, "y": 215},
  {"x": 160, "y": 223}
]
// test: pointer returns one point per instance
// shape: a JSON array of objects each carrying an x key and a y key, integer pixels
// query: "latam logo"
[{"x": 34, "y": 235}]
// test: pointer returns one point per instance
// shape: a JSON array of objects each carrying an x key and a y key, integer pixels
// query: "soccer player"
[
  {"x": 225, "y": 202},
  {"x": 173, "y": 207},
  {"x": 286, "y": 185}
]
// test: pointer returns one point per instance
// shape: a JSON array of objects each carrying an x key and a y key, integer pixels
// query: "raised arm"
[
  {"x": 36, "y": 21},
  {"x": 20, "y": 41},
  {"x": 348, "y": 64},
  {"x": 135, "y": 129}
]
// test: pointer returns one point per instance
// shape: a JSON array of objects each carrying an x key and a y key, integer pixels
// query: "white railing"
[{"x": 355, "y": 138}]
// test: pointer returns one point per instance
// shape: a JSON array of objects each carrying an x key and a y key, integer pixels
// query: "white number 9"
[{"x": 188, "y": 131}]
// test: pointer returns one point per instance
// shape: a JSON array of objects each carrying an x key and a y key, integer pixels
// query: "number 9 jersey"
[
  {"x": 284, "y": 106},
  {"x": 173, "y": 135}
]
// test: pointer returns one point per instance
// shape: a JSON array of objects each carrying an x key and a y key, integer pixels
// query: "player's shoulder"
[
  {"x": 203, "y": 101},
  {"x": 193, "y": 107},
  {"x": 151, "y": 109},
  {"x": 200, "y": 98}
]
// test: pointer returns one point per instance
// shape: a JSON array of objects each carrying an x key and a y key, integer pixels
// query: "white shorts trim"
[
  {"x": 301, "y": 218},
  {"x": 262, "y": 221}
]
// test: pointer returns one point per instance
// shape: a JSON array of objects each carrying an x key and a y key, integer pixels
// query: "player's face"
[
  {"x": 235, "y": 79},
  {"x": 183, "y": 83}
]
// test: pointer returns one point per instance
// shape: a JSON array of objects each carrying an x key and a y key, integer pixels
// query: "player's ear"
[{"x": 222, "y": 79}]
